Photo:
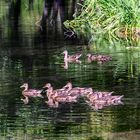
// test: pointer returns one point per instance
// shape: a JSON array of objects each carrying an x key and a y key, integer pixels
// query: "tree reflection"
[{"x": 29, "y": 53}]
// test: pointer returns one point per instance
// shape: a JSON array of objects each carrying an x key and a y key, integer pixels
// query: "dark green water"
[{"x": 30, "y": 54}]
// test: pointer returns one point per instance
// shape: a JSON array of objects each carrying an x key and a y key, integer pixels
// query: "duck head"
[
  {"x": 68, "y": 86},
  {"x": 65, "y": 52},
  {"x": 48, "y": 85},
  {"x": 88, "y": 55},
  {"x": 25, "y": 85}
]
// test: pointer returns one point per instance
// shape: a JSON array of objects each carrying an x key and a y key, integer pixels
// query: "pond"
[{"x": 32, "y": 53}]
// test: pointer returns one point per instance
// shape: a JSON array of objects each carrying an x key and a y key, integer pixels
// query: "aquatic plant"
[{"x": 100, "y": 17}]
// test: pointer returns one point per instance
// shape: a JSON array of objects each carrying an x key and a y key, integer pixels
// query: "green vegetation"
[
  {"x": 27, "y": 56},
  {"x": 118, "y": 18}
]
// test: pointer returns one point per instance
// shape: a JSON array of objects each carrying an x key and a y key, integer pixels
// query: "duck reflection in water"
[
  {"x": 25, "y": 100},
  {"x": 66, "y": 63}
]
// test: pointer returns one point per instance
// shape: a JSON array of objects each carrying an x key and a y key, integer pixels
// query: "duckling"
[
  {"x": 30, "y": 92},
  {"x": 71, "y": 57}
]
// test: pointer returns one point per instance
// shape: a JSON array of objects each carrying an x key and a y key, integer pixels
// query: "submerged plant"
[{"x": 100, "y": 17}]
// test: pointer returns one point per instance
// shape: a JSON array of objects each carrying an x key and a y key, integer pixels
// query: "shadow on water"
[{"x": 31, "y": 42}]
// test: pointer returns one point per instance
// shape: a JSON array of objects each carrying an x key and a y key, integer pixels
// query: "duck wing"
[{"x": 32, "y": 93}]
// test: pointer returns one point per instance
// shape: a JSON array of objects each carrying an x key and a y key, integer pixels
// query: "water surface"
[{"x": 30, "y": 53}]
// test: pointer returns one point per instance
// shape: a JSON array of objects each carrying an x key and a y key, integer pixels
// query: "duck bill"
[
  {"x": 21, "y": 86},
  {"x": 45, "y": 88}
]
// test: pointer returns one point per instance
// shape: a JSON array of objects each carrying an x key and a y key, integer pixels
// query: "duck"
[
  {"x": 51, "y": 92},
  {"x": 99, "y": 58},
  {"x": 30, "y": 92},
  {"x": 63, "y": 92},
  {"x": 73, "y": 57}
]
